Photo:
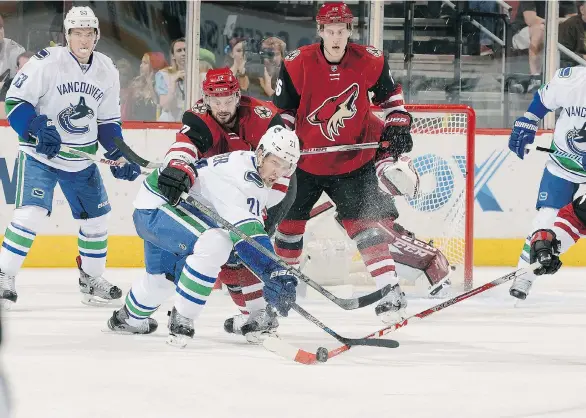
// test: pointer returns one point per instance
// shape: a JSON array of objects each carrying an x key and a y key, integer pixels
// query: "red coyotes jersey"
[
  {"x": 254, "y": 117},
  {"x": 330, "y": 103}
]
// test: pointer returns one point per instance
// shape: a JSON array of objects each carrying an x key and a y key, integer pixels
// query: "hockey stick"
[
  {"x": 556, "y": 152},
  {"x": 133, "y": 156},
  {"x": 286, "y": 350},
  {"x": 92, "y": 157},
  {"x": 347, "y": 304}
]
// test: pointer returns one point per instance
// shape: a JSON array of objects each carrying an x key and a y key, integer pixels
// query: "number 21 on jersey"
[{"x": 254, "y": 206}]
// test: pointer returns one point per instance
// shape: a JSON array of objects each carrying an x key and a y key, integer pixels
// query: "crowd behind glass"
[{"x": 147, "y": 42}]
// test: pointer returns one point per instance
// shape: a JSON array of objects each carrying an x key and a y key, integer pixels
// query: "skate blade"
[
  {"x": 257, "y": 338},
  {"x": 179, "y": 341},
  {"x": 92, "y": 300},
  {"x": 6, "y": 304},
  {"x": 393, "y": 317}
]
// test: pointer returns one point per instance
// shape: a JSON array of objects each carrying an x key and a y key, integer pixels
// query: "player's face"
[
  {"x": 335, "y": 37},
  {"x": 223, "y": 109},
  {"x": 81, "y": 42},
  {"x": 272, "y": 169}
]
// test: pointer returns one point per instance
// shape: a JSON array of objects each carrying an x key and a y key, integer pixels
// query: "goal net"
[{"x": 441, "y": 213}]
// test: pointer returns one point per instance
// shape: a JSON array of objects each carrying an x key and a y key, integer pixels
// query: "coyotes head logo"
[{"x": 333, "y": 111}]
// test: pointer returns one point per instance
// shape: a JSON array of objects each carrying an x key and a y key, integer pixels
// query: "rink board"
[{"x": 504, "y": 205}]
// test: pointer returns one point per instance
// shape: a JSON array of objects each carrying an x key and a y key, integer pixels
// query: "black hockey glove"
[
  {"x": 545, "y": 248},
  {"x": 176, "y": 178},
  {"x": 397, "y": 132}
]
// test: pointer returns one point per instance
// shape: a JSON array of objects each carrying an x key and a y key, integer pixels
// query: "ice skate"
[
  {"x": 391, "y": 308},
  {"x": 180, "y": 328},
  {"x": 8, "y": 294},
  {"x": 234, "y": 324},
  {"x": 521, "y": 286},
  {"x": 119, "y": 323},
  {"x": 260, "y": 325},
  {"x": 96, "y": 291}
]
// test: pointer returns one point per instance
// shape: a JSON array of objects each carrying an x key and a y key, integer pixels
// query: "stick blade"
[
  {"x": 130, "y": 155},
  {"x": 287, "y": 351}
]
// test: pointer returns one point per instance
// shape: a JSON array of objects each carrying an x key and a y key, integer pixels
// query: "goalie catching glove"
[
  {"x": 178, "y": 177},
  {"x": 545, "y": 248},
  {"x": 397, "y": 177}
]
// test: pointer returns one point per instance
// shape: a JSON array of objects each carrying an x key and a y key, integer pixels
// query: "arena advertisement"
[{"x": 505, "y": 191}]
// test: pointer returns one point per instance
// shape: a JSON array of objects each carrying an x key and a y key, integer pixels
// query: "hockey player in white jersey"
[
  {"x": 65, "y": 95},
  {"x": 185, "y": 250},
  {"x": 561, "y": 176}
]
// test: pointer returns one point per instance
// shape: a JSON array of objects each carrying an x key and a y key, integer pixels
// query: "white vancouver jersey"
[
  {"x": 76, "y": 101},
  {"x": 567, "y": 90},
  {"x": 228, "y": 183}
]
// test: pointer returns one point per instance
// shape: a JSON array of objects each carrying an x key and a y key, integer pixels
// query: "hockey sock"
[
  {"x": 15, "y": 247},
  {"x": 195, "y": 285},
  {"x": 229, "y": 277},
  {"x": 373, "y": 244},
  {"x": 289, "y": 241},
  {"x": 252, "y": 291},
  {"x": 92, "y": 249},
  {"x": 146, "y": 295}
]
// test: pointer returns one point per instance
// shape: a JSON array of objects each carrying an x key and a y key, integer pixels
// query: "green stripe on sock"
[
  {"x": 92, "y": 245},
  {"x": 18, "y": 239},
  {"x": 195, "y": 287},
  {"x": 135, "y": 310}
]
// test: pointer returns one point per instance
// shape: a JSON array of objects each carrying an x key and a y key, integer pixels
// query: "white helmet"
[
  {"x": 281, "y": 142},
  {"x": 81, "y": 17}
]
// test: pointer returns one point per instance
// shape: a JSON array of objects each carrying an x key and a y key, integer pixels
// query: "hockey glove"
[
  {"x": 128, "y": 171},
  {"x": 46, "y": 135},
  {"x": 522, "y": 135},
  {"x": 397, "y": 132},
  {"x": 176, "y": 178},
  {"x": 545, "y": 249},
  {"x": 279, "y": 290}
]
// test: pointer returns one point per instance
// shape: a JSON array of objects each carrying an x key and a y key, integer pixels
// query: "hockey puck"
[{"x": 321, "y": 354}]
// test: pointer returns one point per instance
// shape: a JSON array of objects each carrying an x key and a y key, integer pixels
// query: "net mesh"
[{"x": 436, "y": 215}]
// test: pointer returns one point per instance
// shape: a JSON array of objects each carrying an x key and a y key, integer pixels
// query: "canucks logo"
[
  {"x": 576, "y": 140},
  {"x": 72, "y": 117}
]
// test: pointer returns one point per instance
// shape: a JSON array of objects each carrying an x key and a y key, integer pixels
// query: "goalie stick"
[
  {"x": 286, "y": 350},
  {"x": 347, "y": 304}
]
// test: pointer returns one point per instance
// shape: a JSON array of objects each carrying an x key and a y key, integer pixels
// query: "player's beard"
[{"x": 226, "y": 122}]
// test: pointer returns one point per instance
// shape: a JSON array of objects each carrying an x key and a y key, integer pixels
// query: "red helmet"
[
  {"x": 336, "y": 12},
  {"x": 220, "y": 82}
]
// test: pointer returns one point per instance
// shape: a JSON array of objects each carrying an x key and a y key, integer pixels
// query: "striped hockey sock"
[
  {"x": 93, "y": 249},
  {"x": 193, "y": 290},
  {"x": 15, "y": 247},
  {"x": 146, "y": 295}
]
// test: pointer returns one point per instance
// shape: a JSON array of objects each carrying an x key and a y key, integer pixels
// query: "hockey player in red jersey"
[
  {"x": 323, "y": 93},
  {"x": 224, "y": 121},
  {"x": 548, "y": 244}
]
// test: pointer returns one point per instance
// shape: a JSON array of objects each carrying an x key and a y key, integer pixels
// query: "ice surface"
[{"x": 480, "y": 358}]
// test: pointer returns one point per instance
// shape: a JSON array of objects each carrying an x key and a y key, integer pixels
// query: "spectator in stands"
[
  {"x": 9, "y": 52},
  {"x": 20, "y": 61},
  {"x": 207, "y": 60},
  {"x": 273, "y": 51},
  {"x": 170, "y": 84},
  {"x": 529, "y": 33},
  {"x": 236, "y": 60},
  {"x": 142, "y": 102},
  {"x": 486, "y": 42},
  {"x": 572, "y": 35}
]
